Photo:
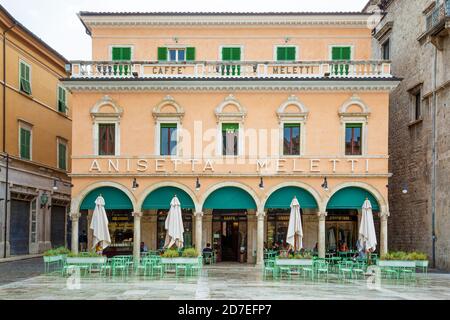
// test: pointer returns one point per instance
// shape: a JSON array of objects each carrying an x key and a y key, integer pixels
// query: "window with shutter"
[
  {"x": 231, "y": 54},
  {"x": 190, "y": 54},
  {"x": 25, "y": 143},
  {"x": 25, "y": 79},
  {"x": 341, "y": 53},
  {"x": 62, "y": 156},
  {"x": 121, "y": 53},
  {"x": 62, "y": 102},
  {"x": 162, "y": 54},
  {"x": 286, "y": 53}
]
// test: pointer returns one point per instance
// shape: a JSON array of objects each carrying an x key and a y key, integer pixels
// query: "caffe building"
[{"x": 235, "y": 114}]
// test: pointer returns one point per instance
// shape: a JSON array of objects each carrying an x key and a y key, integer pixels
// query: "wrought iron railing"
[
  {"x": 303, "y": 69},
  {"x": 438, "y": 15}
]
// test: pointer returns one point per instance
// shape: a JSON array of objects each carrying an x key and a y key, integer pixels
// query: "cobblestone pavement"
[
  {"x": 228, "y": 282},
  {"x": 20, "y": 270}
]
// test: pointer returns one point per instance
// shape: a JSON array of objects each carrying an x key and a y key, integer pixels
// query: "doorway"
[
  {"x": 230, "y": 235},
  {"x": 19, "y": 223},
  {"x": 58, "y": 226}
]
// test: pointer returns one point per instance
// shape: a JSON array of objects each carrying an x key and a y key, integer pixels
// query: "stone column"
[
  {"x": 198, "y": 231},
  {"x": 322, "y": 227},
  {"x": 137, "y": 237},
  {"x": 384, "y": 232},
  {"x": 75, "y": 217},
  {"x": 260, "y": 238}
]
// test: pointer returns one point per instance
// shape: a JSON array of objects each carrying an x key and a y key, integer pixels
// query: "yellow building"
[
  {"x": 236, "y": 114},
  {"x": 36, "y": 138}
]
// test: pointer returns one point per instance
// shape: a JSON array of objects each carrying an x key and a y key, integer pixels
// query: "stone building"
[
  {"x": 414, "y": 36},
  {"x": 35, "y": 138}
]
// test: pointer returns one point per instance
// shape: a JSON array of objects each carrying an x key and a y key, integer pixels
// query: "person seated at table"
[
  {"x": 208, "y": 248},
  {"x": 276, "y": 247},
  {"x": 343, "y": 247},
  {"x": 144, "y": 248}
]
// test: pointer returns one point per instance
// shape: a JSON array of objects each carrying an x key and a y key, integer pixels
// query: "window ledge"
[{"x": 415, "y": 122}]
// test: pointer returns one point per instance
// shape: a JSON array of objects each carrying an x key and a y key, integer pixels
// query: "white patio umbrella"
[
  {"x": 174, "y": 225},
  {"x": 367, "y": 235},
  {"x": 99, "y": 224},
  {"x": 295, "y": 230}
]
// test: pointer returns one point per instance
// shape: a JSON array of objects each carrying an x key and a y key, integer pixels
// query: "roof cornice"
[
  {"x": 105, "y": 19},
  {"x": 377, "y": 84}
]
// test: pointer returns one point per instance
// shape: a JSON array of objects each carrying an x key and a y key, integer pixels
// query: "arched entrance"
[
  {"x": 119, "y": 209},
  {"x": 230, "y": 222},
  {"x": 278, "y": 208},
  {"x": 159, "y": 202},
  {"x": 344, "y": 214}
]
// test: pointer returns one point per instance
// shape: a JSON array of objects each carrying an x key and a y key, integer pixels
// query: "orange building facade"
[
  {"x": 35, "y": 140},
  {"x": 236, "y": 114}
]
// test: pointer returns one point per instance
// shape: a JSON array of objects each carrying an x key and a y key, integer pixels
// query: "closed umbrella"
[
  {"x": 367, "y": 235},
  {"x": 295, "y": 231},
  {"x": 99, "y": 224},
  {"x": 174, "y": 225}
]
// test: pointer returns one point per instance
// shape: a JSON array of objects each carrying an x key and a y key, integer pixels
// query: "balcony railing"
[
  {"x": 438, "y": 15},
  {"x": 304, "y": 69}
]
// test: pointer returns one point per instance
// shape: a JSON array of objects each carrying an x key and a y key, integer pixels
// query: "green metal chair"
[
  {"x": 345, "y": 268},
  {"x": 359, "y": 269},
  {"x": 195, "y": 269},
  {"x": 269, "y": 269},
  {"x": 321, "y": 269}
]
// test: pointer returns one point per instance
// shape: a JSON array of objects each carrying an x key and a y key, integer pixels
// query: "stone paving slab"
[{"x": 231, "y": 282}]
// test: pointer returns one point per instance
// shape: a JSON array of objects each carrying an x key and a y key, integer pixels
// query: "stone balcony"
[
  {"x": 272, "y": 70},
  {"x": 438, "y": 24}
]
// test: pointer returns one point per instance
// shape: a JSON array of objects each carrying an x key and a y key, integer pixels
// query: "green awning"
[
  {"x": 115, "y": 199},
  {"x": 282, "y": 199},
  {"x": 352, "y": 198},
  {"x": 161, "y": 198},
  {"x": 229, "y": 198}
]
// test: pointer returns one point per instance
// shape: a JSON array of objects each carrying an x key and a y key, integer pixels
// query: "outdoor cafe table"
[
  {"x": 171, "y": 263},
  {"x": 293, "y": 263}
]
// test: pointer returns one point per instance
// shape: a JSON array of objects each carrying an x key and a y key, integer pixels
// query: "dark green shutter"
[
  {"x": 281, "y": 53},
  {"x": 61, "y": 100},
  {"x": 290, "y": 53},
  {"x": 25, "y": 85},
  {"x": 121, "y": 54},
  {"x": 236, "y": 54},
  {"x": 116, "y": 54},
  {"x": 162, "y": 54},
  {"x": 169, "y": 125},
  {"x": 341, "y": 53},
  {"x": 25, "y": 143},
  {"x": 346, "y": 53},
  {"x": 190, "y": 54},
  {"x": 226, "y": 54},
  {"x": 292, "y": 125},
  {"x": 62, "y": 156}
]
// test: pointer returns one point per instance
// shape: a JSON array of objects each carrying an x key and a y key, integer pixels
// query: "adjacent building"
[
  {"x": 414, "y": 35},
  {"x": 235, "y": 114},
  {"x": 35, "y": 140}
]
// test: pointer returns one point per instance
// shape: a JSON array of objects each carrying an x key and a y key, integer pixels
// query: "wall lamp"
[
  {"x": 405, "y": 188},
  {"x": 325, "y": 184},
  {"x": 198, "y": 185},
  {"x": 55, "y": 186},
  {"x": 261, "y": 184},
  {"x": 135, "y": 184}
]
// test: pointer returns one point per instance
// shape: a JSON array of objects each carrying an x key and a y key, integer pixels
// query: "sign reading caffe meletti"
[{"x": 215, "y": 166}]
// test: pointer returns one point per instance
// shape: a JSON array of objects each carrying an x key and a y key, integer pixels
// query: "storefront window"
[
  {"x": 187, "y": 223},
  {"x": 277, "y": 227},
  {"x": 341, "y": 230},
  {"x": 121, "y": 227}
]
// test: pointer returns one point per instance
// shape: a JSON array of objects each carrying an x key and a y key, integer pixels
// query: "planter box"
[
  {"x": 396, "y": 263},
  {"x": 86, "y": 260},
  {"x": 294, "y": 262},
  {"x": 422, "y": 263},
  {"x": 179, "y": 260},
  {"x": 48, "y": 259}
]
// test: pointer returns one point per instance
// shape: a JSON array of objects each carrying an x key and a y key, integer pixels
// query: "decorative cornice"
[{"x": 139, "y": 86}]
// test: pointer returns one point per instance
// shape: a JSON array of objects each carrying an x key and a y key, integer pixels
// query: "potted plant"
[
  {"x": 188, "y": 256},
  {"x": 397, "y": 259},
  {"x": 420, "y": 258},
  {"x": 55, "y": 255},
  {"x": 86, "y": 258}
]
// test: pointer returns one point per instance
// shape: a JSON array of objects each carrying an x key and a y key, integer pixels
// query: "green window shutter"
[
  {"x": 25, "y": 143},
  {"x": 121, "y": 53},
  {"x": 226, "y": 54},
  {"x": 292, "y": 125},
  {"x": 61, "y": 100},
  {"x": 230, "y": 126},
  {"x": 236, "y": 54},
  {"x": 25, "y": 85},
  {"x": 169, "y": 125},
  {"x": 62, "y": 163},
  {"x": 162, "y": 54},
  {"x": 281, "y": 53},
  {"x": 290, "y": 53},
  {"x": 190, "y": 54},
  {"x": 341, "y": 53}
]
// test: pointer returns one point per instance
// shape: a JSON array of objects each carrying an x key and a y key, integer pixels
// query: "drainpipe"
[
  {"x": 434, "y": 160},
  {"x": 4, "y": 139}
]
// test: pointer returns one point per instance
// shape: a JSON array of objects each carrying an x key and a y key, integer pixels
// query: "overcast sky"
[{"x": 55, "y": 21}]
